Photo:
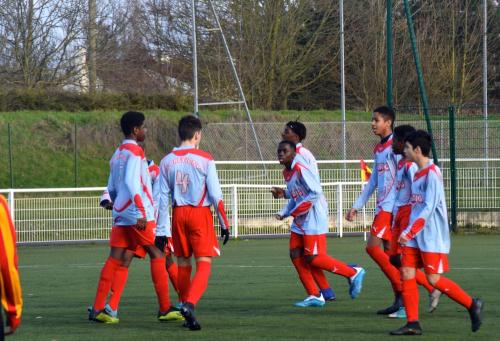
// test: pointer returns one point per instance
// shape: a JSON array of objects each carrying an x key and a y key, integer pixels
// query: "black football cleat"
[
  {"x": 411, "y": 328},
  {"x": 398, "y": 303},
  {"x": 187, "y": 310},
  {"x": 476, "y": 314}
]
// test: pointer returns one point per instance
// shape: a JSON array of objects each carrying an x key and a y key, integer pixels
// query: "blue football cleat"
[
  {"x": 311, "y": 301},
  {"x": 356, "y": 282},
  {"x": 110, "y": 312},
  {"x": 328, "y": 294}
]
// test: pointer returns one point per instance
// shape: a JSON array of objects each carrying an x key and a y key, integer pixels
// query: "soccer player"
[
  {"x": 310, "y": 276},
  {"x": 383, "y": 179},
  {"x": 163, "y": 241},
  {"x": 401, "y": 213},
  {"x": 10, "y": 285},
  {"x": 426, "y": 239},
  {"x": 309, "y": 210},
  {"x": 129, "y": 188},
  {"x": 188, "y": 177}
]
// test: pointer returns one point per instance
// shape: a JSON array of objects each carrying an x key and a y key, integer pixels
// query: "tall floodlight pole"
[
  {"x": 342, "y": 81},
  {"x": 485, "y": 82},
  {"x": 195, "y": 59},
  {"x": 388, "y": 37}
]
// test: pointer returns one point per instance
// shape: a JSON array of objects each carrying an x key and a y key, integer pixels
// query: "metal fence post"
[
  {"x": 453, "y": 169},
  {"x": 234, "y": 209},
  {"x": 11, "y": 205},
  {"x": 11, "y": 171},
  {"x": 340, "y": 221},
  {"x": 76, "y": 156}
]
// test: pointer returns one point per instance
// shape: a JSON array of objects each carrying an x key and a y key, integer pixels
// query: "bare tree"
[{"x": 42, "y": 40}]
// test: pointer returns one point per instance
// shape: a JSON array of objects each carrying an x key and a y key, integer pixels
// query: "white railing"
[{"x": 73, "y": 214}]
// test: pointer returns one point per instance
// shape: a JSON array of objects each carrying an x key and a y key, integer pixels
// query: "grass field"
[{"x": 249, "y": 297}]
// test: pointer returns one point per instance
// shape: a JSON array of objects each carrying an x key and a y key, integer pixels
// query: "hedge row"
[{"x": 70, "y": 101}]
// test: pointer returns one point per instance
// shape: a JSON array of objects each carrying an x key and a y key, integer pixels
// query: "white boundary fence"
[{"x": 73, "y": 214}]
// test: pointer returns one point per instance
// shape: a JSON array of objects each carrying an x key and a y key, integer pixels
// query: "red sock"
[
  {"x": 184, "y": 281},
  {"x": 304, "y": 271},
  {"x": 319, "y": 278},
  {"x": 172, "y": 274},
  {"x": 410, "y": 299},
  {"x": 390, "y": 271},
  {"x": 105, "y": 281},
  {"x": 331, "y": 264},
  {"x": 119, "y": 281},
  {"x": 160, "y": 281},
  {"x": 454, "y": 291},
  {"x": 422, "y": 280},
  {"x": 200, "y": 282}
]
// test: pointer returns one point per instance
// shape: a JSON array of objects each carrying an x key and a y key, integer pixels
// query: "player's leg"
[
  {"x": 377, "y": 248},
  {"x": 118, "y": 284},
  {"x": 165, "y": 244},
  {"x": 159, "y": 277},
  {"x": 203, "y": 241},
  {"x": 410, "y": 262},
  {"x": 200, "y": 279},
  {"x": 314, "y": 299},
  {"x": 323, "y": 284},
  {"x": 182, "y": 250},
  {"x": 435, "y": 265},
  {"x": 114, "y": 261},
  {"x": 146, "y": 239},
  {"x": 315, "y": 253}
]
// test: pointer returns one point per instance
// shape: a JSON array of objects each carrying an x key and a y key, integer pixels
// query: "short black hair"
[
  {"x": 130, "y": 120},
  {"x": 188, "y": 125},
  {"x": 400, "y": 132},
  {"x": 298, "y": 128},
  {"x": 290, "y": 143},
  {"x": 387, "y": 113},
  {"x": 422, "y": 139}
]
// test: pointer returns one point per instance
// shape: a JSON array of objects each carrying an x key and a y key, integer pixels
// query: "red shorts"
[
  {"x": 130, "y": 238},
  {"x": 311, "y": 245},
  {"x": 433, "y": 263},
  {"x": 401, "y": 222},
  {"x": 381, "y": 227},
  {"x": 193, "y": 232}
]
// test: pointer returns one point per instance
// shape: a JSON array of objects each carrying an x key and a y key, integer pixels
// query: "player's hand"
[
  {"x": 224, "y": 233},
  {"x": 277, "y": 192},
  {"x": 403, "y": 239},
  {"x": 279, "y": 217},
  {"x": 161, "y": 242},
  {"x": 141, "y": 224},
  {"x": 351, "y": 214},
  {"x": 107, "y": 204}
]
